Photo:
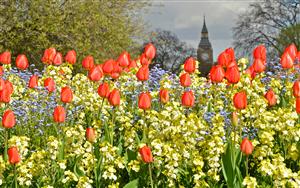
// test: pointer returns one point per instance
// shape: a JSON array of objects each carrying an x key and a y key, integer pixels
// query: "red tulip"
[
  {"x": 13, "y": 155},
  {"x": 2, "y": 84},
  {"x": 49, "y": 84},
  {"x": 217, "y": 74},
  {"x": 59, "y": 114},
  {"x": 144, "y": 60},
  {"x": 143, "y": 73},
  {"x": 298, "y": 56},
  {"x": 71, "y": 57},
  {"x": 260, "y": 52},
  {"x": 164, "y": 96},
  {"x": 49, "y": 55},
  {"x": 33, "y": 81},
  {"x": 95, "y": 73},
  {"x": 230, "y": 53},
  {"x": 240, "y": 100},
  {"x": 188, "y": 99},
  {"x": 88, "y": 62},
  {"x": 298, "y": 105},
  {"x": 90, "y": 134},
  {"x": 146, "y": 154},
  {"x": 9, "y": 86},
  {"x": 103, "y": 90},
  {"x": 132, "y": 64},
  {"x": 224, "y": 59},
  {"x": 259, "y": 65},
  {"x": 5, "y": 95},
  {"x": 246, "y": 146},
  {"x": 58, "y": 59},
  {"x": 185, "y": 80},
  {"x": 232, "y": 74},
  {"x": 5, "y": 57},
  {"x": 271, "y": 97},
  {"x": 150, "y": 51},
  {"x": 114, "y": 97},
  {"x": 1, "y": 70},
  {"x": 286, "y": 61},
  {"x": 22, "y": 62},
  {"x": 144, "y": 101},
  {"x": 8, "y": 119},
  {"x": 251, "y": 72},
  {"x": 296, "y": 89},
  {"x": 66, "y": 94},
  {"x": 292, "y": 51},
  {"x": 190, "y": 65},
  {"x": 124, "y": 59},
  {"x": 108, "y": 66}
]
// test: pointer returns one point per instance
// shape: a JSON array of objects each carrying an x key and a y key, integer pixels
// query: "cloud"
[{"x": 185, "y": 18}]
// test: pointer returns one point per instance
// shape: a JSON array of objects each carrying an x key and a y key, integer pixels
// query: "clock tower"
[{"x": 204, "y": 52}]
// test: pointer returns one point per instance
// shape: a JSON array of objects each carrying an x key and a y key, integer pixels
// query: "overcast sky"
[{"x": 185, "y": 18}]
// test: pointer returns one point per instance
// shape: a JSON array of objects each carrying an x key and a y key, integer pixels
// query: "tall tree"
[
  {"x": 171, "y": 51},
  {"x": 263, "y": 22},
  {"x": 99, "y": 28}
]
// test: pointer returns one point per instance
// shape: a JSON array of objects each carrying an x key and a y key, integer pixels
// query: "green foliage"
[
  {"x": 288, "y": 36},
  {"x": 99, "y": 28}
]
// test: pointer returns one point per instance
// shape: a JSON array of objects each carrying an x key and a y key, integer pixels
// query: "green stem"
[
  {"x": 150, "y": 174},
  {"x": 247, "y": 174},
  {"x": 111, "y": 129},
  {"x": 15, "y": 176},
  {"x": 100, "y": 109},
  {"x": 5, "y": 144}
]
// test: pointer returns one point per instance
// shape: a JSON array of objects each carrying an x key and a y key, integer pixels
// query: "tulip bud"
[
  {"x": 286, "y": 61},
  {"x": 103, "y": 90},
  {"x": 185, "y": 80},
  {"x": 188, "y": 99},
  {"x": 22, "y": 62},
  {"x": 224, "y": 59},
  {"x": 5, "y": 95},
  {"x": 90, "y": 134},
  {"x": 271, "y": 97},
  {"x": 49, "y": 55},
  {"x": 251, "y": 72},
  {"x": 296, "y": 89},
  {"x": 132, "y": 64},
  {"x": 108, "y": 66},
  {"x": 5, "y": 57},
  {"x": 150, "y": 51},
  {"x": 246, "y": 146},
  {"x": 8, "y": 119},
  {"x": 95, "y": 73},
  {"x": 58, "y": 59},
  {"x": 235, "y": 119},
  {"x": 124, "y": 59},
  {"x": 33, "y": 81},
  {"x": 217, "y": 74},
  {"x": 292, "y": 51},
  {"x": 144, "y": 101},
  {"x": 9, "y": 86},
  {"x": 114, "y": 97},
  {"x": 13, "y": 155},
  {"x": 88, "y": 62},
  {"x": 259, "y": 65},
  {"x": 59, "y": 114},
  {"x": 230, "y": 53},
  {"x": 232, "y": 74},
  {"x": 143, "y": 73},
  {"x": 240, "y": 100},
  {"x": 146, "y": 154},
  {"x": 49, "y": 84},
  {"x": 164, "y": 96},
  {"x": 190, "y": 65},
  {"x": 71, "y": 57},
  {"x": 260, "y": 53},
  {"x": 66, "y": 94},
  {"x": 144, "y": 61}
]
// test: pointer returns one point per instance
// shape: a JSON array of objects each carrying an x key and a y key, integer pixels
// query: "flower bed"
[{"x": 113, "y": 128}]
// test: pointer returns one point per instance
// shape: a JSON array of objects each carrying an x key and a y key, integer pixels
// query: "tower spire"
[{"x": 204, "y": 28}]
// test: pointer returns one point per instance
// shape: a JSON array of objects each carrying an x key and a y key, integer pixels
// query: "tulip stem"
[
  {"x": 15, "y": 176},
  {"x": 100, "y": 109},
  {"x": 150, "y": 174},
  {"x": 247, "y": 174},
  {"x": 5, "y": 146}
]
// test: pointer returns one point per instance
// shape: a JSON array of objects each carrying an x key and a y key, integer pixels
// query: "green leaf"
[
  {"x": 132, "y": 184},
  {"x": 228, "y": 167}
]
